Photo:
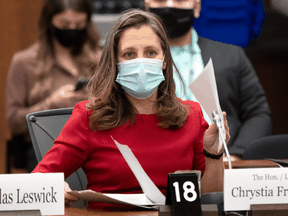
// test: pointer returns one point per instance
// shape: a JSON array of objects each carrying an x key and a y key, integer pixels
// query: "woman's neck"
[
  {"x": 144, "y": 106},
  {"x": 181, "y": 41}
]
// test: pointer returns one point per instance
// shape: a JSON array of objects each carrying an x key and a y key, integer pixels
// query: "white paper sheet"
[
  {"x": 147, "y": 185},
  {"x": 204, "y": 89},
  {"x": 139, "y": 200}
]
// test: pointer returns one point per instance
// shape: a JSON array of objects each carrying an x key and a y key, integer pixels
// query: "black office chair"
[
  {"x": 275, "y": 147},
  {"x": 44, "y": 127}
]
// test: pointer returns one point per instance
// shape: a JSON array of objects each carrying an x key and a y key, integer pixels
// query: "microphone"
[{"x": 217, "y": 120}]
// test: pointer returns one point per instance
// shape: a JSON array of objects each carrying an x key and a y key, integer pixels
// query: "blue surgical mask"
[{"x": 140, "y": 77}]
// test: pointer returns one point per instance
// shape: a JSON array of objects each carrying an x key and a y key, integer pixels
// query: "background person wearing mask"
[
  {"x": 44, "y": 75},
  {"x": 240, "y": 92}
]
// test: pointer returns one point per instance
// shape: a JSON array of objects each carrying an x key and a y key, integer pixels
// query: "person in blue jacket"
[{"x": 240, "y": 92}]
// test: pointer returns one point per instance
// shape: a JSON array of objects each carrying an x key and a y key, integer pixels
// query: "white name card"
[
  {"x": 243, "y": 187},
  {"x": 36, "y": 191}
]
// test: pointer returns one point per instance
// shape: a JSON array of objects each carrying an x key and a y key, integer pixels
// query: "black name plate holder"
[{"x": 183, "y": 194}]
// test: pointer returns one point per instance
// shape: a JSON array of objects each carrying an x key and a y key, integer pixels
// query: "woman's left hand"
[{"x": 211, "y": 137}]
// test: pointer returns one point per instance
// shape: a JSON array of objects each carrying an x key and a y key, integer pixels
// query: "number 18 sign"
[{"x": 183, "y": 194}]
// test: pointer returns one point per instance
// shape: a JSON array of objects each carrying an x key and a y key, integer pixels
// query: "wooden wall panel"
[{"x": 18, "y": 29}]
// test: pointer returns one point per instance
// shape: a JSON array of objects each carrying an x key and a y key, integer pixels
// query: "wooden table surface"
[{"x": 251, "y": 164}]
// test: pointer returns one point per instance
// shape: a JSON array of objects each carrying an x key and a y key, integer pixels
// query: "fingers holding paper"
[
  {"x": 211, "y": 137},
  {"x": 68, "y": 197},
  {"x": 226, "y": 127}
]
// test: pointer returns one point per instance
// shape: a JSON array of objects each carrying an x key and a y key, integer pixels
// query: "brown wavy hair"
[
  {"x": 109, "y": 105},
  {"x": 80, "y": 54}
]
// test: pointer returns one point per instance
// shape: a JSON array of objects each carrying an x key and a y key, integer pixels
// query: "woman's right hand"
[
  {"x": 68, "y": 197},
  {"x": 65, "y": 96}
]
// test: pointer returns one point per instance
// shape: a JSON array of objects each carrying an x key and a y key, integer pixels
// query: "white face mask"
[{"x": 140, "y": 77}]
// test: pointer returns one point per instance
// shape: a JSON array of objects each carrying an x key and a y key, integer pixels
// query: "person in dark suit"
[{"x": 240, "y": 92}]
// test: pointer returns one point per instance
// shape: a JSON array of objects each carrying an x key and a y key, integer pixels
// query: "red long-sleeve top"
[{"x": 159, "y": 151}]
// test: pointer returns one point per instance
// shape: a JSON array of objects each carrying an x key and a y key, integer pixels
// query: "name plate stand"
[
  {"x": 21, "y": 213},
  {"x": 269, "y": 209}
]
